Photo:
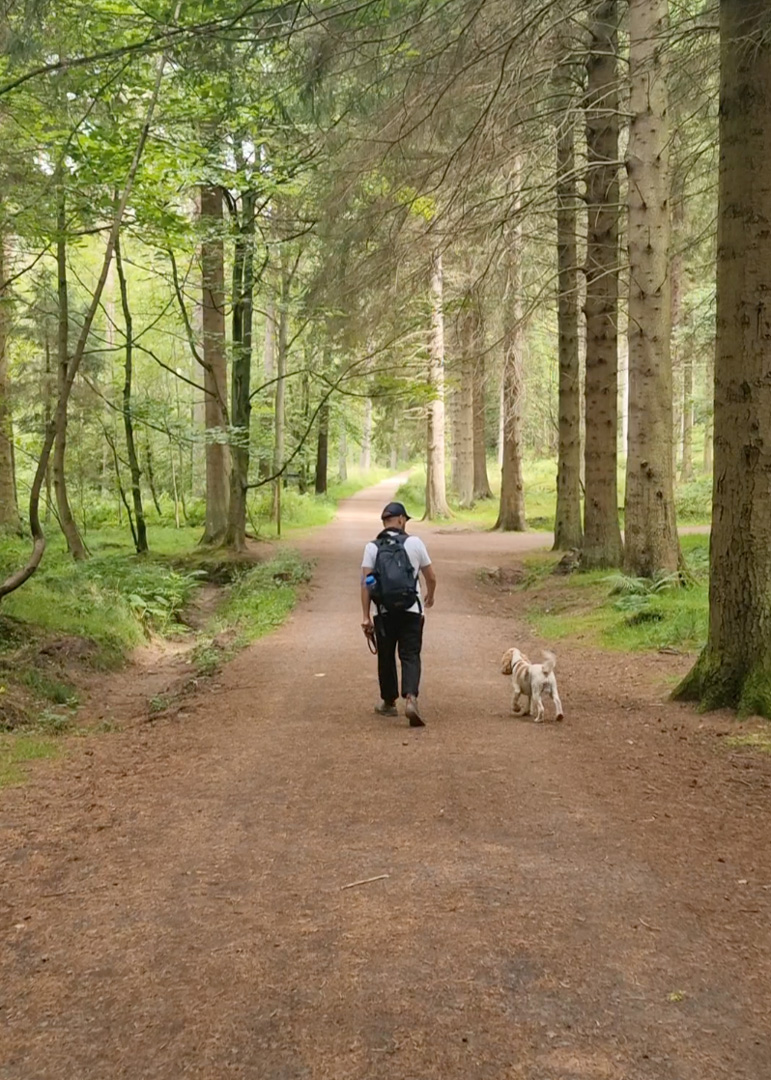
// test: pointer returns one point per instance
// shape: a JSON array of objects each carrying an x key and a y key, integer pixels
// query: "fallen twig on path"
[{"x": 364, "y": 881}]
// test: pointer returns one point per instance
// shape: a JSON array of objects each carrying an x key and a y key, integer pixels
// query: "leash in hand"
[{"x": 371, "y": 637}]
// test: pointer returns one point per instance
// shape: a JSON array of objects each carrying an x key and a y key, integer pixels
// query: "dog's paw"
[{"x": 560, "y": 716}]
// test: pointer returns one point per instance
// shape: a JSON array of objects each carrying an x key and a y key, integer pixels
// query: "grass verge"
[
  {"x": 17, "y": 750},
  {"x": 613, "y": 612}
]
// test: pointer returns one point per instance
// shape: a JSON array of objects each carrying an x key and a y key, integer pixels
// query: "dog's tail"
[{"x": 549, "y": 663}]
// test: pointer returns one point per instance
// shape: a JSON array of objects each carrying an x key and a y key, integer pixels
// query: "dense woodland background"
[{"x": 250, "y": 251}]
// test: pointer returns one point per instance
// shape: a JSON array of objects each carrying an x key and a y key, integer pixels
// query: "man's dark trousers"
[{"x": 402, "y": 629}]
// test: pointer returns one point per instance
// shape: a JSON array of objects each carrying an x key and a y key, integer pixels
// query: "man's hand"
[
  {"x": 428, "y": 602},
  {"x": 368, "y": 627}
]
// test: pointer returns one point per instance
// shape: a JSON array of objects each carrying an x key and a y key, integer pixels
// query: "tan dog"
[{"x": 531, "y": 681}]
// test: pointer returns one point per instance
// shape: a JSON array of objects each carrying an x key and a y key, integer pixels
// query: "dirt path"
[{"x": 586, "y": 901}]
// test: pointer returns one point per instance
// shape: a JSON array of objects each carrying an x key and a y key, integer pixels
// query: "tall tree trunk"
[
  {"x": 215, "y": 365},
  {"x": 75, "y": 545},
  {"x": 482, "y": 489},
  {"x": 567, "y": 520},
  {"x": 709, "y": 389},
  {"x": 511, "y": 515},
  {"x": 464, "y": 424},
  {"x": 436, "y": 484},
  {"x": 241, "y": 404},
  {"x": 128, "y": 423},
  {"x": 735, "y": 667},
  {"x": 322, "y": 450},
  {"x": 650, "y": 530},
  {"x": 602, "y": 533},
  {"x": 9, "y": 510}
]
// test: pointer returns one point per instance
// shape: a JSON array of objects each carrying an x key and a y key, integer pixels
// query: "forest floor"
[{"x": 577, "y": 901}]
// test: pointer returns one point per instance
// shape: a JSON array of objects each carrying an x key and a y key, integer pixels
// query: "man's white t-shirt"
[{"x": 416, "y": 552}]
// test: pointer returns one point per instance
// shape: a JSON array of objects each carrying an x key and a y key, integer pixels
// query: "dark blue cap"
[{"x": 394, "y": 509}]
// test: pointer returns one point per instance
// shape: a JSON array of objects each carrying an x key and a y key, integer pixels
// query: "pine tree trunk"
[
  {"x": 464, "y": 427},
  {"x": 650, "y": 530},
  {"x": 322, "y": 450},
  {"x": 268, "y": 373},
  {"x": 482, "y": 489},
  {"x": 602, "y": 533},
  {"x": 9, "y": 510},
  {"x": 567, "y": 521},
  {"x": 436, "y": 484},
  {"x": 241, "y": 403},
  {"x": 215, "y": 365},
  {"x": 75, "y": 544},
  {"x": 735, "y": 667}
]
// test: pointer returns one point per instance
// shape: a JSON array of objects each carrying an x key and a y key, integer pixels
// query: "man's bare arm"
[
  {"x": 366, "y": 599},
  {"x": 429, "y": 576}
]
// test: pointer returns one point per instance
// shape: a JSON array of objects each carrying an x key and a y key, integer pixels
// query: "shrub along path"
[{"x": 585, "y": 901}]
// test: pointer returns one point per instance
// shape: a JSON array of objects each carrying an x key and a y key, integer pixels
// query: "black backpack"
[{"x": 396, "y": 583}]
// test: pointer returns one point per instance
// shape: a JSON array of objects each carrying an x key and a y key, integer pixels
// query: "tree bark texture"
[
  {"x": 279, "y": 439},
  {"x": 215, "y": 365},
  {"x": 602, "y": 533},
  {"x": 436, "y": 484},
  {"x": 686, "y": 461},
  {"x": 365, "y": 460},
  {"x": 140, "y": 536},
  {"x": 567, "y": 522},
  {"x": 735, "y": 667},
  {"x": 650, "y": 530},
  {"x": 9, "y": 511}
]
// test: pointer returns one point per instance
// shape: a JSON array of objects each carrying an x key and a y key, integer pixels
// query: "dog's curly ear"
[{"x": 506, "y": 660}]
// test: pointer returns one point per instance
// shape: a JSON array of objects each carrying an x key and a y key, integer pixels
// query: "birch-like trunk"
[
  {"x": 735, "y": 667},
  {"x": 215, "y": 365},
  {"x": 650, "y": 531},
  {"x": 602, "y": 533},
  {"x": 511, "y": 515},
  {"x": 436, "y": 484},
  {"x": 567, "y": 521},
  {"x": 9, "y": 511},
  {"x": 686, "y": 460}
]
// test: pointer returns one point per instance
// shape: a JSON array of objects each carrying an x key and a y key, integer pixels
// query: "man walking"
[{"x": 390, "y": 578}]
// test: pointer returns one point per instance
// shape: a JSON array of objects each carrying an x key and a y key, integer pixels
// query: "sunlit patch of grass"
[
  {"x": 758, "y": 740},
  {"x": 17, "y": 750}
]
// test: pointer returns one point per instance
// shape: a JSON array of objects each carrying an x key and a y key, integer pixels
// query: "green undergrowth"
[
  {"x": 257, "y": 602},
  {"x": 693, "y": 501},
  {"x": 308, "y": 510},
  {"x": 614, "y": 612}
]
